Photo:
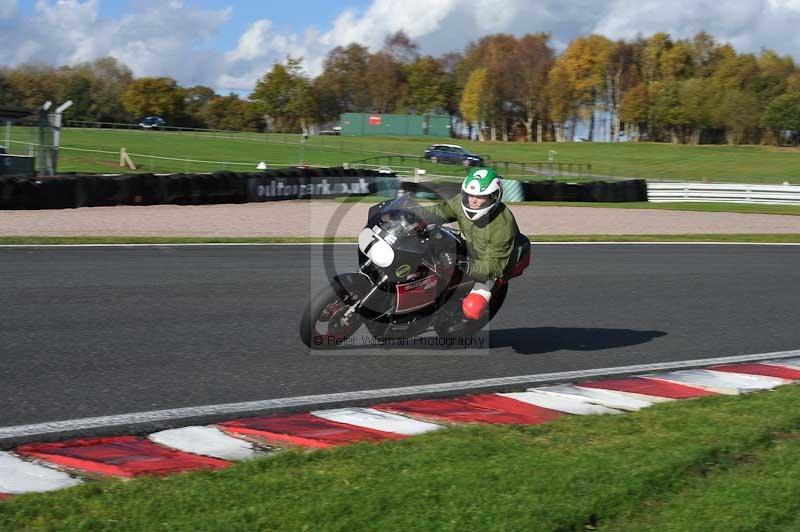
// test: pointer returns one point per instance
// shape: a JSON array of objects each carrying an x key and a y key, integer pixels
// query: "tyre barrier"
[
  {"x": 72, "y": 191},
  {"x": 77, "y": 190}
]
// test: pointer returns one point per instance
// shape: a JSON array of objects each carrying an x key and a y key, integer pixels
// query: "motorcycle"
[{"x": 404, "y": 285}]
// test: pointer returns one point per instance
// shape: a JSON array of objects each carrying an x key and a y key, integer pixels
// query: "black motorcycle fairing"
[{"x": 351, "y": 285}]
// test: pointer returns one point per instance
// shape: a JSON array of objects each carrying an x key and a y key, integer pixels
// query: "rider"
[{"x": 490, "y": 231}]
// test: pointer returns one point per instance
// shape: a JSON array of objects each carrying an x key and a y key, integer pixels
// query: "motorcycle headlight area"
[{"x": 375, "y": 247}]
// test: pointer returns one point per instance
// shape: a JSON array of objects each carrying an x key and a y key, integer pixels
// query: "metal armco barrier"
[{"x": 723, "y": 193}]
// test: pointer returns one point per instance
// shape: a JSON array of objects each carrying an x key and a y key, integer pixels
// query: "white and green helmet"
[{"x": 481, "y": 182}]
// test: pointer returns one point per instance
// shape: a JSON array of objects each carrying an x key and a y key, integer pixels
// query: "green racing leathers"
[{"x": 490, "y": 241}]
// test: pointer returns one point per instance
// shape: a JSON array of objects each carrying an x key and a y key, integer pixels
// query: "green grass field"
[
  {"x": 715, "y": 463},
  {"x": 242, "y": 151}
]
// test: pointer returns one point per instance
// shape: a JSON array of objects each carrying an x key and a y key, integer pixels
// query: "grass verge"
[
  {"x": 98, "y": 151},
  {"x": 665, "y": 468},
  {"x": 754, "y": 238}
]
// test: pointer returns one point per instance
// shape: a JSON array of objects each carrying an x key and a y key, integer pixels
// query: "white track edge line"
[{"x": 386, "y": 393}]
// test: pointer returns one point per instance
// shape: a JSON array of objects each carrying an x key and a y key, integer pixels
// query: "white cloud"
[
  {"x": 252, "y": 43},
  {"x": 154, "y": 39},
  {"x": 175, "y": 38},
  {"x": 259, "y": 48},
  {"x": 416, "y": 17},
  {"x": 747, "y": 25}
]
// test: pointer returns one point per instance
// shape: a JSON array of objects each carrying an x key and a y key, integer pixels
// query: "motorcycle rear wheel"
[{"x": 327, "y": 307}]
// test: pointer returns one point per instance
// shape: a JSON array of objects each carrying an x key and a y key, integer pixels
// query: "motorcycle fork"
[{"x": 358, "y": 304}]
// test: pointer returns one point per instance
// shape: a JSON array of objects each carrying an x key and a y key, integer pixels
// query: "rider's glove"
[
  {"x": 464, "y": 265},
  {"x": 449, "y": 260}
]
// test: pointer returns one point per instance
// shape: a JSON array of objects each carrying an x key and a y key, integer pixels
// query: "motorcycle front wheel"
[{"x": 324, "y": 325}]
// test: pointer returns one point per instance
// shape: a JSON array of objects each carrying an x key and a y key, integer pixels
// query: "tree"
[
  {"x": 620, "y": 75},
  {"x": 400, "y": 48},
  {"x": 155, "y": 96},
  {"x": 773, "y": 73},
  {"x": 585, "y": 61},
  {"x": 654, "y": 48},
  {"x": 473, "y": 100},
  {"x": 32, "y": 85},
  {"x": 737, "y": 112},
  {"x": 783, "y": 114},
  {"x": 5, "y": 90},
  {"x": 676, "y": 62},
  {"x": 386, "y": 83},
  {"x": 502, "y": 108},
  {"x": 703, "y": 52},
  {"x": 428, "y": 86},
  {"x": 667, "y": 110},
  {"x": 532, "y": 60},
  {"x": 285, "y": 95},
  {"x": 230, "y": 112},
  {"x": 341, "y": 86},
  {"x": 494, "y": 53},
  {"x": 197, "y": 98},
  {"x": 793, "y": 83},
  {"x": 76, "y": 85},
  {"x": 697, "y": 99},
  {"x": 635, "y": 108},
  {"x": 560, "y": 98},
  {"x": 735, "y": 71},
  {"x": 110, "y": 80},
  {"x": 451, "y": 65}
]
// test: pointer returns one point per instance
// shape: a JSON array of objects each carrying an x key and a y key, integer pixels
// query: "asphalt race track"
[{"x": 92, "y": 331}]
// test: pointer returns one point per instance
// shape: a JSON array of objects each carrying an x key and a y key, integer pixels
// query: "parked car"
[
  {"x": 152, "y": 122},
  {"x": 450, "y": 153}
]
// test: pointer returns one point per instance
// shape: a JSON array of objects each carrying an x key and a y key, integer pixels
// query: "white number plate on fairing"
[{"x": 375, "y": 247}]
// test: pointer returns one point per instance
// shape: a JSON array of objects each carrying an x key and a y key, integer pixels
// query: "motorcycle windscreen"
[
  {"x": 416, "y": 294},
  {"x": 401, "y": 203},
  {"x": 375, "y": 247},
  {"x": 403, "y": 206}
]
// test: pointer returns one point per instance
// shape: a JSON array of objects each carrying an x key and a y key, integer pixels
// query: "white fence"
[{"x": 723, "y": 193}]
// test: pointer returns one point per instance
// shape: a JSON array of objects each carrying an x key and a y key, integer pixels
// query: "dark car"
[
  {"x": 450, "y": 153},
  {"x": 152, "y": 122}
]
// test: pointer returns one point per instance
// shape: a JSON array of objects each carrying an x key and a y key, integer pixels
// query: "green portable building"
[{"x": 355, "y": 124}]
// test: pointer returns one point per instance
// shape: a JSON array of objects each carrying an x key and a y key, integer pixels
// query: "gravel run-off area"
[{"x": 311, "y": 218}]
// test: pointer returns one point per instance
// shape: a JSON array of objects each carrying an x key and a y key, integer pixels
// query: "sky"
[{"x": 229, "y": 44}]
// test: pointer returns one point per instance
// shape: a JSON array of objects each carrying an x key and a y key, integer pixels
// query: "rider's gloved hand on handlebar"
[
  {"x": 448, "y": 259},
  {"x": 451, "y": 260}
]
